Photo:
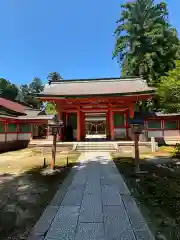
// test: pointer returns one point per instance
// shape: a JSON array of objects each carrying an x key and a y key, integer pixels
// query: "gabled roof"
[
  {"x": 14, "y": 110},
  {"x": 13, "y": 106},
  {"x": 102, "y": 86}
]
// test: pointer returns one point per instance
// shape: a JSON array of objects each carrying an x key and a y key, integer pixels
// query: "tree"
[
  {"x": 53, "y": 77},
  {"x": 50, "y": 108},
  {"x": 146, "y": 44},
  {"x": 8, "y": 90},
  {"x": 169, "y": 90},
  {"x": 34, "y": 87}
]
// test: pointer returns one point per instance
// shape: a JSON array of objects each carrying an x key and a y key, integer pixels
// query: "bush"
[{"x": 176, "y": 152}]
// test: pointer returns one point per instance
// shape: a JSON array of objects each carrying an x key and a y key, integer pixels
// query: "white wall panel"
[
  {"x": 2, "y": 137},
  {"x": 171, "y": 133},
  {"x": 155, "y": 134},
  {"x": 11, "y": 137},
  {"x": 24, "y": 136}
]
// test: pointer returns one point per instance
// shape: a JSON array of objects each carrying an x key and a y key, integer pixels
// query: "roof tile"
[{"x": 97, "y": 87}]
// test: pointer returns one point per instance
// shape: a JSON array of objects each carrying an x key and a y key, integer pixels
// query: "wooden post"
[
  {"x": 136, "y": 151},
  {"x": 131, "y": 110},
  {"x": 78, "y": 125},
  {"x": 107, "y": 126},
  {"x": 6, "y": 130},
  {"x": 111, "y": 123},
  {"x": 53, "y": 152},
  {"x": 82, "y": 126}
]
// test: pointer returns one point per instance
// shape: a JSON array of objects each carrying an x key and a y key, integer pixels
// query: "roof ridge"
[{"x": 99, "y": 79}]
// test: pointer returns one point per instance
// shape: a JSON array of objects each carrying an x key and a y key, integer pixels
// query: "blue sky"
[{"x": 74, "y": 38}]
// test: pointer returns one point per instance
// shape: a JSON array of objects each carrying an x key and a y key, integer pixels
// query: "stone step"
[
  {"x": 95, "y": 150},
  {"x": 95, "y": 147}
]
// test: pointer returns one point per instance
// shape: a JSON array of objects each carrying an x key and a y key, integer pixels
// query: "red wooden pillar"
[
  {"x": 131, "y": 110},
  {"x": 78, "y": 125},
  {"x": 60, "y": 118},
  {"x": 111, "y": 123},
  {"x": 82, "y": 126},
  {"x": 107, "y": 125}
]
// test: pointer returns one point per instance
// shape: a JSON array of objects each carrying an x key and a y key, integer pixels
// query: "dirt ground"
[
  {"x": 26, "y": 188},
  {"x": 157, "y": 191}
]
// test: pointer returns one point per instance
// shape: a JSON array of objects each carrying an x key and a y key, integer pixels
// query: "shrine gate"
[{"x": 108, "y": 102}]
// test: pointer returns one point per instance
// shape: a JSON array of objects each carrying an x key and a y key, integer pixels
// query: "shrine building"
[{"x": 96, "y": 107}]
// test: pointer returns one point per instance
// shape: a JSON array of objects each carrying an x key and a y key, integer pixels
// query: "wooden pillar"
[
  {"x": 131, "y": 110},
  {"x": 6, "y": 130},
  {"x": 60, "y": 118},
  {"x": 82, "y": 125},
  {"x": 126, "y": 124},
  {"x": 78, "y": 125},
  {"x": 136, "y": 152},
  {"x": 107, "y": 125},
  {"x": 111, "y": 123}
]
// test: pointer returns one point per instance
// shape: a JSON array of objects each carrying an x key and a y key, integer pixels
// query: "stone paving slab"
[
  {"x": 111, "y": 195},
  {"x": 117, "y": 224},
  {"x": 97, "y": 205},
  {"x": 64, "y": 224},
  {"x": 139, "y": 226},
  {"x": 91, "y": 208},
  {"x": 90, "y": 231},
  {"x": 74, "y": 196}
]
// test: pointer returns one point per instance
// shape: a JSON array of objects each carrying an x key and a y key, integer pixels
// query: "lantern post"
[{"x": 56, "y": 128}]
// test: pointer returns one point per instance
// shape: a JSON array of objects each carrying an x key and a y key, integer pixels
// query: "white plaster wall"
[
  {"x": 2, "y": 137},
  {"x": 157, "y": 134},
  {"x": 11, "y": 137},
  {"x": 171, "y": 133},
  {"x": 120, "y": 133},
  {"x": 24, "y": 136}
]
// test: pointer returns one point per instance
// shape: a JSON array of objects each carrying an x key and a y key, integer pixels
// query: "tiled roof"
[
  {"x": 39, "y": 117},
  {"x": 141, "y": 116},
  {"x": 43, "y": 117},
  {"x": 21, "y": 111},
  {"x": 13, "y": 106},
  {"x": 31, "y": 112},
  {"x": 83, "y": 87}
]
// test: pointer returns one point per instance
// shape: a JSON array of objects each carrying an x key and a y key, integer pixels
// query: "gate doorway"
[{"x": 95, "y": 126}]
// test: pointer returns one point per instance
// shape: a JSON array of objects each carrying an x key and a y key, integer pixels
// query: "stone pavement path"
[{"x": 96, "y": 206}]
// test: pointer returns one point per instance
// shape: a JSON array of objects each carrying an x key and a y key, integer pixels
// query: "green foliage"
[
  {"x": 169, "y": 90},
  {"x": 146, "y": 44},
  {"x": 176, "y": 151},
  {"x": 54, "y": 76},
  {"x": 36, "y": 86},
  {"x": 26, "y": 90},
  {"x": 8, "y": 90},
  {"x": 50, "y": 108}
]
